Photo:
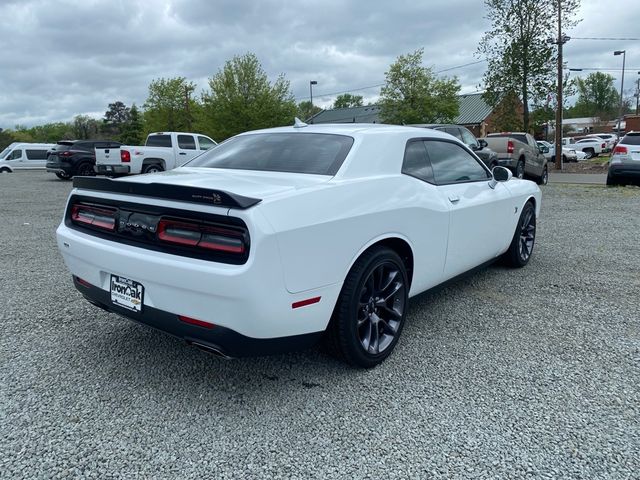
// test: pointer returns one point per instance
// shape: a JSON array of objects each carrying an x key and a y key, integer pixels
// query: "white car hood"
[{"x": 249, "y": 183}]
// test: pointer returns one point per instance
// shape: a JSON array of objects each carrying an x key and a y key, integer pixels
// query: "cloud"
[{"x": 70, "y": 57}]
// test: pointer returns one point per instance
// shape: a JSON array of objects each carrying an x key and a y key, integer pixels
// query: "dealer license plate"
[{"x": 127, "y": 293}]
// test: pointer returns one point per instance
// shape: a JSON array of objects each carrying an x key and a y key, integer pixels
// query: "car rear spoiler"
[{"x": 182, "y": 193}]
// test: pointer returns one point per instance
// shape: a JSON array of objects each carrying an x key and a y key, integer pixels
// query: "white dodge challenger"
[{"x": 278, "y": 237}]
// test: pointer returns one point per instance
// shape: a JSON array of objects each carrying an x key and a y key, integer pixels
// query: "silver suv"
[{"x": 624, "y": 166}]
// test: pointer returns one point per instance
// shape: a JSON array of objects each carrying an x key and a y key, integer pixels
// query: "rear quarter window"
[{"x": 158, "y": 141}]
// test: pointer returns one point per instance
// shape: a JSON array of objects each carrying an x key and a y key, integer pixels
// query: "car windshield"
[
  {"x": 4, "y": 153},
  {"x": 631, "y": 139},
  {"x": 313, "y": 153}
]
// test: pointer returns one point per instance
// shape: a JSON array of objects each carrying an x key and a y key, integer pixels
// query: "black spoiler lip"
[{"x": 182, "y": 193}]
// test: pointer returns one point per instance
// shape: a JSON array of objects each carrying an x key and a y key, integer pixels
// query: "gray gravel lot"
[{"x": 531, "y": 373}]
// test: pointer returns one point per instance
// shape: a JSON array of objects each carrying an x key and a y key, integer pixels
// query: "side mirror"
[
  {"x": 544, "y": 149},
  {"x": 500, "y": 174},
  {"x": 482, "y": 143}
]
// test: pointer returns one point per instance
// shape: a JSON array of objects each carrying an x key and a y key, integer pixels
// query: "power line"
[
  {"x": 359, "y": 89},
  {"x": 604, "y": 38},
  {"x": 602, "y": 69}
]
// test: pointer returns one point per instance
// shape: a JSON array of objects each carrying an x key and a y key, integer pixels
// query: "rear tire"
[
  {"x": 520, "y": 168},
  {"x": 85, "y": 169},
  {"x": 523, "y": 241},
  {"x": 152, "y": 168},
  {"x": 63, "y": 176},
  {"x": 544, "y": 178},
  {"x": 612, "y": 182},
  {"x": 370, "y": 312},
  {"x": 590, "y": 153}
]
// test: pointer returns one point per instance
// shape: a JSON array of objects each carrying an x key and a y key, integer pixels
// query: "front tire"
[
  {"x": 370, "y": 312},
  {"x": 5, "y": 170},
  {"x": 589, "y": 153},
  {"x": 521, "y": 247}
]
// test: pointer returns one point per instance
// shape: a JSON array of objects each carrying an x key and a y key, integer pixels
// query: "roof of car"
[{"x": 346, "y": 129}]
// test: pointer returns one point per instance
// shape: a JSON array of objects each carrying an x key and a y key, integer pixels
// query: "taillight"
[
  {"x": 509, "y": 146},
  {"x": 89, "y": 215},
  {"x": 206, "y": 237},
  {"x": 604, "y": 145},
  {"x": 620, "y": 150},
  {"x": 65, "y": 154},
  {"x": 125, "y": 156}
]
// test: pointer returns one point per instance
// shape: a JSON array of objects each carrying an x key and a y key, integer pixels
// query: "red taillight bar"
[
  {"x": 509, "y": 146},
  {"x": 125, "y": 156},
  {"x": 104, "y": 218},
  {"x": 195, "y": 321},
  {"x": 201, "y": 236}
]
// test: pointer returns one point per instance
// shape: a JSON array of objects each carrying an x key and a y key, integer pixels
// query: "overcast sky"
[{"x": 63, "y": 58}]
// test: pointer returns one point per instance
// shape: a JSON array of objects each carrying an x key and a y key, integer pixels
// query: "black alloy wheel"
[
  {"x": 523, "y": 241},
  {"x": 85, "y": 169},
  {"x": 370, "y": 311}
]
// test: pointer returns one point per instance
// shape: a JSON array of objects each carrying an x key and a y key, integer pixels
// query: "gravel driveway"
[{"x": 530, "y": 373}]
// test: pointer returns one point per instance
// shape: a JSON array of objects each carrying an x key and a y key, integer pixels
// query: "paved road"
[{"x": 583, "y": 178}]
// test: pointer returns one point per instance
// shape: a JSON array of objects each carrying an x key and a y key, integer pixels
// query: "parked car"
[
  {"x": 520, "y": 152},
  {"x": 591, "y": 146},
  {"x": 277, "y": 237},
  {"x": 162, "y": 151},
  {"x": 611, "y": 139},
  {"x": 568, "y": 155},
  {"x": 624, "y": 166},
  {"x": 24, "y": 156},
  {"x": 488, "y": 156},
  {"x": 74, "y": 157}
]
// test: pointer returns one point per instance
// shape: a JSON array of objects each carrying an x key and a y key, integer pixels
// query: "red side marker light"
[
  {"x": 83, "y": 282},
  {"x": 304, "y": 303},
  {"x": 195, "y": 321}
]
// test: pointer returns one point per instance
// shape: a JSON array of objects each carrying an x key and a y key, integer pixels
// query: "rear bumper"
[
  {"x": 59, "y": 167},
  {"x": 220, "y": 340},
  {"x": 626, "y": 170},
  {"x": 507, "y": 162},
  {"x": 250, "y": 299},
  {"x": 110, "y": 169}
]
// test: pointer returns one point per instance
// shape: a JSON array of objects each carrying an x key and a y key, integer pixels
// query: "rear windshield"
[
  {"x": 159, "y": 141},
  {"x": 520, "y": 138},
  {"x": 314, "y": 153},
  {"x": 631, "y": 139}
]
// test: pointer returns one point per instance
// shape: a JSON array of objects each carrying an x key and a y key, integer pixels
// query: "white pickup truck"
[
  {"x": 162, "y": 151},
  {"x": 591, "y": 146}
]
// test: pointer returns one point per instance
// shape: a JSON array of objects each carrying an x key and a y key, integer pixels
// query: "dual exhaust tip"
[{"x": 210, "y": 349}]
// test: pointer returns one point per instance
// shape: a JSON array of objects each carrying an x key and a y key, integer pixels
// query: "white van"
[{"x": 18, "y": 156}]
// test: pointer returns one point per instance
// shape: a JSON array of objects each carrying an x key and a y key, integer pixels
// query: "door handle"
[
  {"x": 182, "y": 153},
  {"x": 454, "y": 198}
]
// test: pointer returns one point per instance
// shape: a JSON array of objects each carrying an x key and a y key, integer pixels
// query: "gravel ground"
[{"x": 531, "y": 373}]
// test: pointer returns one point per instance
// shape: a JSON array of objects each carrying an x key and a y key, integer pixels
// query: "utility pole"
[
  {"x": 186, "y": 105},
  {"x": 637, "y": 93},
  {"x": 560, "y": 41}
]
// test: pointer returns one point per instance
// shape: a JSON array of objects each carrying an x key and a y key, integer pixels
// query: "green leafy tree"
[
  {"x": 133, "y": 129},
  {"x": 6, "y": 139},
  {"x": 519, "y": 57},
  {"x": 347, "y": 100},
  {"x": 85, "y": 128},
  {"x": 242, "y": 98},
  {"x": 506, "y": 115},
  {"x": 306, "y": 110},
  {"x": 597, "y": 97},
  {"x": 115, "y": 118},
  {"x": 169, "y": 105},
  {"x": 413, "y": 94}
]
